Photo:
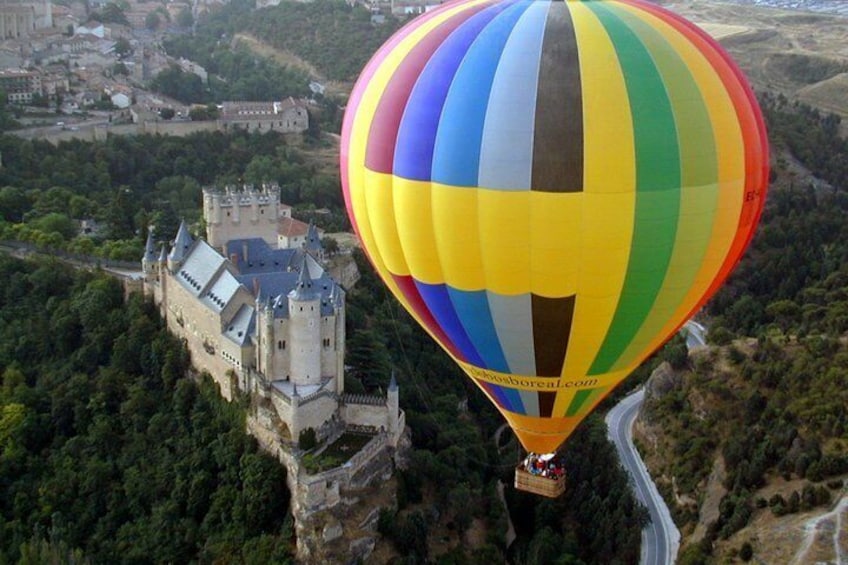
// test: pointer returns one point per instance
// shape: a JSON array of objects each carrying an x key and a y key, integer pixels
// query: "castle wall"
[
  {"x": 311, "y": 412},
  {"x": 371, "y": 415},
  {"x": 201, "y": 327}
]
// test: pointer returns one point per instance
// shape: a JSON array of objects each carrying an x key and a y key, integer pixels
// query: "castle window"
[
  {"x": 228, "y": 214},
  {"x": 280, "y": 344},
  {"x": 284, "y": 344}
]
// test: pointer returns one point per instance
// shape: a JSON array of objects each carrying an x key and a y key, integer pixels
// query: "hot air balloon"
[{"x": 551, "y": 189}]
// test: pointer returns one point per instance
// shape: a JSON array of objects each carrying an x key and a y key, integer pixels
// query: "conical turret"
[
  {"x": 304, "y": 289},
  {"x": 149, "y": 258},
  {"x": 182, "y": 243}
]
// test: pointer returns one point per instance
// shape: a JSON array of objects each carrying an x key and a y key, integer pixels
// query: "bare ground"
[
  {"x": 760, "y": 39},
  {"x": 289, "y": 59}
]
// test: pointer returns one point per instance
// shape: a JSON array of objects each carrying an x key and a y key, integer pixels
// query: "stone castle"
[{"x": 264, "y": 318}]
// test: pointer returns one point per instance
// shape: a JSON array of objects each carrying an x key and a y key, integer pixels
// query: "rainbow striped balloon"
[{"x": 552, "y": 189}]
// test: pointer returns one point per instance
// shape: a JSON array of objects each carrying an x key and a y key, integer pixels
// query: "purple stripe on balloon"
[
  {"x": 382, "y": 137},
  {"x": 438, "y": 301},
  {"x": 417, "y": 134}
]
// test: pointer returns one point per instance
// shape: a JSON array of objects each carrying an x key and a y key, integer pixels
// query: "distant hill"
[{"x": 783, "y": 51}]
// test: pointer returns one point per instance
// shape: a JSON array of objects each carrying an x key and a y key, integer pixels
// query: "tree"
[
  {"x": 122, "y": 47},
  {"x": 111, "y": 14},
  {"x": 184, "y": 18},
  {"x": 13, "y": 204},
  {"x": 57, "y": 223},
  {"x": 746, "y": 552},
  {"x": 152, "y": 21}
]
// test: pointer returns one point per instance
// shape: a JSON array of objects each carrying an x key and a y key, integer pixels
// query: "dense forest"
[
  {"x": 108, "y": 451},
  {"x": 334, "y": 36},
  {"x": 129, "y": 183}
]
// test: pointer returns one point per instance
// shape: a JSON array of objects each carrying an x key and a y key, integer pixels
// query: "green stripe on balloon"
[
  {"x": 699, "y": 177},
  {"x": 657, "y": 188}
]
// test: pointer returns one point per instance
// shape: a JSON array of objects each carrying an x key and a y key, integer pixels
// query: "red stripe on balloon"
[
  {"x": 356, "y": 99},
  {"x": 407, "y": 287},
  {"x": 382, "y": 137}
]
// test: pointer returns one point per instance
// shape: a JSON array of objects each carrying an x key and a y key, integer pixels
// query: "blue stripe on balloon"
[
  {"x": 456, "y": 154},
  {"x": 514, "y": 399},
  {"x": 472, "y": 309},
  {"x": 417, "y": 132},
  {"x": 497, "y": 394},
  {"x": 438, "y": 301},
  {"x": 506, "y": 148}
]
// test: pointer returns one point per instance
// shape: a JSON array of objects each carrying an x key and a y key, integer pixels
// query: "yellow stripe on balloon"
[
  {"x": 608, "y": 194},
  {"x": 731, "y": 172},
  {"x": 505, "y": 221},
  {"x": 554, "y": 250},
  {"x": 457, "y": 236}
]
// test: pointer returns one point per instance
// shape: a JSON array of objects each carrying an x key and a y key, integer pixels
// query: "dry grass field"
[{"x": 802, "y": 55}]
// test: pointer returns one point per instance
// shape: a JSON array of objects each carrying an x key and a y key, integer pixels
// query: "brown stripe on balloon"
[
  {"x": 558, "y": 135},
  {"x": 552, "y": 319},
  {"x": 546, "y": 404}
]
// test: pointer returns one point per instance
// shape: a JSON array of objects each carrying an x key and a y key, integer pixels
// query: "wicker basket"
[{"x": 536, "y": 484}]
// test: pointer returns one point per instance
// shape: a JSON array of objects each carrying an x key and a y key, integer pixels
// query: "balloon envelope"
[{"x": 552, "y": 189}]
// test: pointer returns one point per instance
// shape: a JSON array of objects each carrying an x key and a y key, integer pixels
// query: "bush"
[
  {"x": 307, "y": 439},
  {"x": 746, "y": 552}
]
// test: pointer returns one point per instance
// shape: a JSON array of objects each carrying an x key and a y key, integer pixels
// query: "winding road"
[{"x": 660, "y": 538}]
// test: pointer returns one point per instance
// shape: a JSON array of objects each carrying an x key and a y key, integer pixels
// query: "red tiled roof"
[{"x": 290, "y": 227}]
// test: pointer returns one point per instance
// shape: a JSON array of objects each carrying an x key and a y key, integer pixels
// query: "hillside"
[
  {"x": 800, "y": 55},
  {"x": 749, "y": 439}
]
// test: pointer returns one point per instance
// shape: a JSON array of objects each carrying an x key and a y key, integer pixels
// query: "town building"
[
  {"x": 20, "y": 19},
  {"x": 20, "y": 86},
  {"x": 287, "y": 116}
]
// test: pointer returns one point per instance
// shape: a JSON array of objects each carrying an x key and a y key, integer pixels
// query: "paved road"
[
  {"x": 695, "y": 334},
  {"x": 660, "y": 538}
]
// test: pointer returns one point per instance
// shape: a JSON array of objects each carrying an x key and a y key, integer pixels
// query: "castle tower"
[
  {"x": 241, "y": 214},
  {"x": 336, "y": 299},
  {"x": 313, "y": 243},
  {"x": 265, "y": 331},
  {"x": 148, "y": 262},
  {"x": 393, "y": 409},
  {"x": 305, "y": 329},
  {"x": 182, "y": 243}
]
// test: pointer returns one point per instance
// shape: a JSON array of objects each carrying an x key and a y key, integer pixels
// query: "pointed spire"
[
  {"x": 294, "y": 391},
  {"x": 393, "y": 383},
  {"x": 303, "y": 290},
  {"x": 163, "y": 254},
  {"x": 313, "y": 240},
  {"x": 150, "y": 247},
  {"x": 181, "y": 244}
]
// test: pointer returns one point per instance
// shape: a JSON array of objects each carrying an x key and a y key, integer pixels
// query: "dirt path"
[
  {"x": 288, "y": 59},
  {"x": 822, "y": 538}
]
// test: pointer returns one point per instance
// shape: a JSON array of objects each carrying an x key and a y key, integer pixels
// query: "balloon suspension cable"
[{"x": 424, "y": 394}]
